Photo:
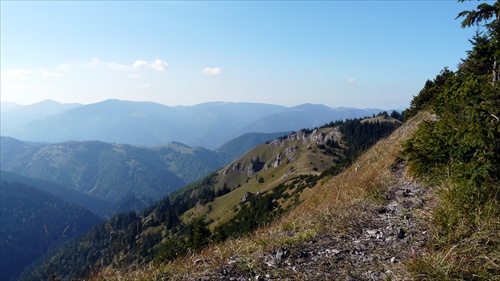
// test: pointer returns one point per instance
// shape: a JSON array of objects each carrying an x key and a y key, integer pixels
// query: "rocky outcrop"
[
  {"x": 277, "y": 161},
  {"x": 315, "y": 137},
  {"x": 290, "y": 153}
]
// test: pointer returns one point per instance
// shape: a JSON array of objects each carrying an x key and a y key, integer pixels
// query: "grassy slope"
[
  {"x": 237, "y": 174},
  {"x": 381, "y": 119},
  {"x": 327, "y": 208}
]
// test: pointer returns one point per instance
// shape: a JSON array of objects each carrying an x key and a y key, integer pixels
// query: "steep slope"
[
  {"x": 96, "y": 205},
  {"x": 34, "y": 223},
  {"x": 268, "y": 165},
  {"x": 360, "y": 224},
  {"x": 253, "y": 190}
]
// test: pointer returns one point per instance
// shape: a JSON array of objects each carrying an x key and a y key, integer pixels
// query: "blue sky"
[{"x": 365, "y": 54}]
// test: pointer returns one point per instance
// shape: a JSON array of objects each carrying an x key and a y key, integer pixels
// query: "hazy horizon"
[
  {"x": 362, "y": 54},
  {"x": 207, "y": 102}
]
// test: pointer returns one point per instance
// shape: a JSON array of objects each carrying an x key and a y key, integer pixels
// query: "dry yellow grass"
[{"x": 324, "y": 208}]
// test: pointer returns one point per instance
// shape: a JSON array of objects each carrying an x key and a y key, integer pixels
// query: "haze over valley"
[{"x": 250, "y": 140}]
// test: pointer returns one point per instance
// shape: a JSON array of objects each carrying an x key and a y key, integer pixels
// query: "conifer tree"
[{"x": 487, "y": 16}]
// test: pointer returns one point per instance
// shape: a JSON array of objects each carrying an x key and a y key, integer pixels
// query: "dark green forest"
[
  {"x": 33, "y": 224},
  {"x": 93, "y": 204}
]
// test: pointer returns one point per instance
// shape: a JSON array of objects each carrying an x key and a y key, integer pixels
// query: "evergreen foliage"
[
  {"x": 93, "y": 204},
  {"x": 34, "y": 224},
  {"x": 428, "y": 93},
  {"x": 361, "y": 136},
  {"x": 460, "y": 152}
]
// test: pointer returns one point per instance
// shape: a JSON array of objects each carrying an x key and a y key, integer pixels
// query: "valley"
[
  {"x": 34, "y": 224},
  {"x": 122, "y": 181},
  {"x": 250, "y": 140},
  {"x": 255, "y": 189}
]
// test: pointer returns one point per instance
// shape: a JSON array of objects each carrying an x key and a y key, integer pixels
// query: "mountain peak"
[{"x": 311, "y": 106}]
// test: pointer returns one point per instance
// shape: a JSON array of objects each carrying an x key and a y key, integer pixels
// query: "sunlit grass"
[{"x": 330, "y": 207}]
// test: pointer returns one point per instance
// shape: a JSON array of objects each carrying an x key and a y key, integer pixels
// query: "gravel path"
[{"x": 376, "y": 242}]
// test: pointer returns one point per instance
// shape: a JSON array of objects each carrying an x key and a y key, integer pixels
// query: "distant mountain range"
[
  {"x": 150, "y": 124},
  {"x": 15, "y": 116}
]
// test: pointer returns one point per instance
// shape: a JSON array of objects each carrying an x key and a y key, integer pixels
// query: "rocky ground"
[{"x": 373, "y": 244}]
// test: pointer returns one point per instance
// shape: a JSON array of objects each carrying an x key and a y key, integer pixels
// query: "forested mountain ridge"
[
  {"x": 305, "y": 116},
  {"x": 268, "y": 180},
  {"x": 68, "y": 169},
  {"x": 97, "y": 206},
  {"x": 130, "y": 177},
  {"x": 283, "y": 167},
  {"x": 33, "y": 224}
]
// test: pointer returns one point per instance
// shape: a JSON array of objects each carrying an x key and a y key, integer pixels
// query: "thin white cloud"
[
  {"x": 92, "y": 63},
  {"x": 351, "y": 80},
  {"x": 140, "y": 63},
  {"x": 65, "y": 66},
  {"x": 157, "y": 64},
  {"x": 212, "y": 71}
]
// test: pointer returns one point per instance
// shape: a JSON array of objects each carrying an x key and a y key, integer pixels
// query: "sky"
[{"x": 363, "y": 54}]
